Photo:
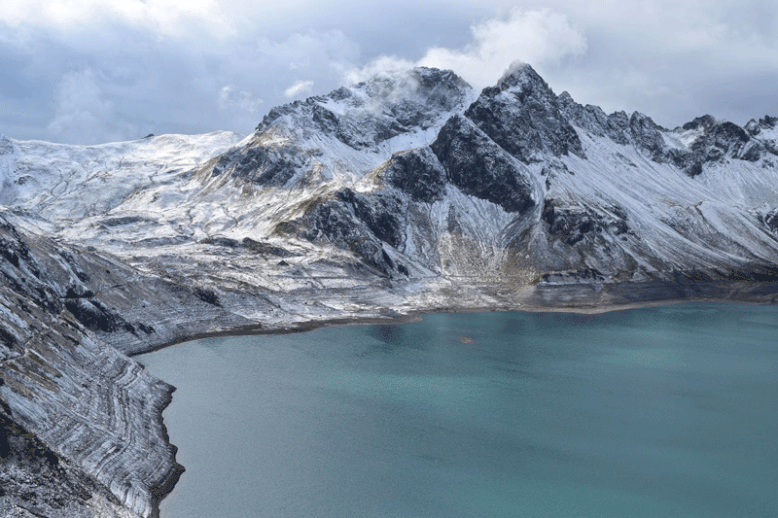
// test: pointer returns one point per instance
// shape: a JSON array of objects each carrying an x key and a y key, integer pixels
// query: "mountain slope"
[{"x": 409, "y": 192}]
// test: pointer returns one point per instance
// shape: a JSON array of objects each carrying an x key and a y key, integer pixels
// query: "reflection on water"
[{"x": 654, "y": 412}]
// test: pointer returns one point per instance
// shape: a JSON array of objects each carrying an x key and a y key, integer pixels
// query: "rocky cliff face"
[{"x": 409, "y": 192}]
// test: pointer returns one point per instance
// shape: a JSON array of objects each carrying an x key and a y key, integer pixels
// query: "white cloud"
[
  {"x": 169, "y": 17},
  {"x": 84, "y": 114},
  {"x": 312, "y": 50},
  {"x": 539, "y": 37},
  {"x": 299, "y": 88},
  {"x": 195, "y": 66},
  {"x": 377, "y": 66},
  {"x": 235, "y": 100}
]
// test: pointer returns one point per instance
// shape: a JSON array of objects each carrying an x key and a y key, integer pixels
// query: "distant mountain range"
[{"x": 406, "y": 193}]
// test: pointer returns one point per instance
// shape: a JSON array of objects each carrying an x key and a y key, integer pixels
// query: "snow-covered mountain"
[
  {"x": 408, "y": 192},
  {"x": 415, "y": 176}
]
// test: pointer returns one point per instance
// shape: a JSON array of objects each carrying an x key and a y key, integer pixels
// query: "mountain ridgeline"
[
  {"x": 528, "y": 184},
  {"x": 409, "y": 192}
]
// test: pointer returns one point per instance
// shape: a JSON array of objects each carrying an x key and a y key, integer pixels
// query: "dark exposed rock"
[
  {"x": 720, "y": 140},
  {"x": 78, "y": 291},
  {"x": 694, "y": 169},
  {"x": 263, "y": 164},
  {"x": 332, "y": 222},
  {"x": 125, "y": 220},
  {"x": 21, "y": 272},
  {"x": 94, "y": 315},
  {"x": 355, "y": 222},
  {"x": 259, "y": 247},
  {"x": 754, "y": 127},
  {"x": 647, "y": 135},
  {"x": 145, "y": 328},
  {"x": 207, "y": 295},
  {"x": 73, "y": 264},
  {"x": 685, "y": 160},
  {"x": 417, "y": 173},
  {"x": 751, "y": 152},
  {"x": 768, "y": 122},
  {"x": 479, "y": 167},
  {"x": 248, "y": 244},
  {"x": 380, "y": 212},
  {"x": 716, "y": 141},
  {"x": 771, "y": 220},
  {"x": 221, "y": 241},
  {"x": 573, "y": 224},
  {"x": 14, "y": 250},
  {"x": 594, "y": 120},
  {"x": 705, "y": 122},
  {"x": 523, "y": 116}
]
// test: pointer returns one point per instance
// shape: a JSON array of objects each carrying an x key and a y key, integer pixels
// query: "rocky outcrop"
[
  {"x": 593, "y": 119},
  {"x": 771, "y": 220},
  {"x": 35, "y": 481},
  {"x": 478, "y": 166},
  {"x": 301, "y": 143},
  {"x": 574, "y": 224},
  {"x": 379, "y": 109},
  {"x": 361, "y": 224},
  {"x": 418, "y": 173},
  {"x": 524, "y": 117},
  {"x": 273, "y": 164},
  {"x": 74, "y": 409}
]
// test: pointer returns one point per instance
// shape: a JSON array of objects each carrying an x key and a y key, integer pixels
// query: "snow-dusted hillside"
[
  {"x": 409, "y": 192},
  {"x": 415, "y": 175}
]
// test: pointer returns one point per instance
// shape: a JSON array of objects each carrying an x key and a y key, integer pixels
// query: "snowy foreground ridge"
[{"x": 409, "y": 192}]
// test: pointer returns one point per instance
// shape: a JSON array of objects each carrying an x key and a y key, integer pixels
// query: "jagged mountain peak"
[
  {"x": 6, "y": 146},
  {"x": 330, "y": 136},
  {"x": 754, "y": 127},
  {"x": 705, "y": 122},
  {"x": 641, "y": 119},
  {"x": 520, "y": 75},
  {"x": 524, "y": 116},
  {"x": 393, "y": 102},
  {"x": 388, "y": 84}
]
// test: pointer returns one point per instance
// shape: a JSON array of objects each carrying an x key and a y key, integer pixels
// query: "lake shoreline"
[{"x": 535, "y": 300}]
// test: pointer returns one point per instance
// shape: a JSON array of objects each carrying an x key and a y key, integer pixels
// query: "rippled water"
[{"x": 669, "y": 412}]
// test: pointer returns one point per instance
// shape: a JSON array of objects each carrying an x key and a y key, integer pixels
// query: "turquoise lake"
[{"x": 657, "y": 412}]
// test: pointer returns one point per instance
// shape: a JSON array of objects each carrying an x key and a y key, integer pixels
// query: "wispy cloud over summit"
[{"x": 87, "y": 70}]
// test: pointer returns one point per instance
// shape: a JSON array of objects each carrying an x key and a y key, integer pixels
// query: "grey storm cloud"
[{"x": 87, "y": 71}]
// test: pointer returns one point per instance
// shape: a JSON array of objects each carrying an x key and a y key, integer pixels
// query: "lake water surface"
[{"x": 657, "y": 412}]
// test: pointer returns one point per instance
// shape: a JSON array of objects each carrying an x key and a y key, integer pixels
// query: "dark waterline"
[{"x": 666, "y": 411}]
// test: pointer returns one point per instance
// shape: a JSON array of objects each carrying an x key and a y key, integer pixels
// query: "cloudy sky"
[{"x": 88, "y": 71}]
